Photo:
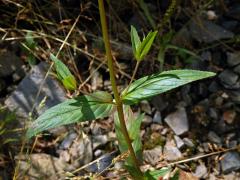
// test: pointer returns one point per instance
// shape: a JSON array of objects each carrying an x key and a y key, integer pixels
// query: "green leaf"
[
  {"x": 133, "y": 126},
  {"x": 152, "y": 85},
  {"x": 146, "y": 45},
  {"x": 64, "y": 74},
  {"x": 70, "y": 83},
  {"x": 156, "y": 174},
  {"x": 82, "y": 108},
  {"x": 135, "y": 40},
  {"x": 31, "y": 44}
]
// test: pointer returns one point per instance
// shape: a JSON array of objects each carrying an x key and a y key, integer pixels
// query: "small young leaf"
[
  {"x": 133, "y": 127},
  {"x": 82, "y": 108},
  {"x": 70, "y": 83},
  {"x": 64, "y": 74},
  {"x": 146, "y": 45},
  {"x": 157, "y": 174},
  {"x": 152, "y": 85},
  {"x": 135, "y": 40}
]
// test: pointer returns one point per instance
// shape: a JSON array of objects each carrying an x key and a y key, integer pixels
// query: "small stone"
[
  {"x": 214, "y": 138},
  {"x": 200, "y": 29},
  {"x": 237, "y": 69},
  {"x": 42, "y": 166},
  {"x": 178, "y": 121},
  {"x": 157, "y": 118},
  {"x": 201, "y": 171},
  {"x": 233, "y": 59},
  {"x": 228, "y": 78},
  {"x": 229, "y": 116},
  {"x": 156, "y": 127},
  {"x": 81, "y": 151},
  {"x": 145, "y": 106},
  {"x": 212, "y": 112},
  {"x": 206, "y": 55},
  {"x": 179, "y": 142},
  {"x": 171, "y": 153},
  {"x": 147, "y": 120},
  {"x": 66, "y": 143},
  {"x": 211, "y": 15},
  {"x": 98, "y": 153},
  {"x": 25, "y": 98},
  {"x": 99, "y": 140},
  {"x": 230, "y": 161},
  {"x": 153, "y": 156},
  {"x": 188, "y": 142}
]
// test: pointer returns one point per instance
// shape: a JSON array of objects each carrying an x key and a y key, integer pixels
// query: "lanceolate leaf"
[
  {"x": 152, "y": 85},
  {"x": 146, "y": 44},
  {"x": 135, "y": 39},
  {"x": 83, "y": 108},
  {"x": 64, "y": 74}
]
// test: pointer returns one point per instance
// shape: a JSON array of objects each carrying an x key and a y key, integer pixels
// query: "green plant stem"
[
  {"x": 133, "y": 76},
  {"x": 114, "y": 86}
]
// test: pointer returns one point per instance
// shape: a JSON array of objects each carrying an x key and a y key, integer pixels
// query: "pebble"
[
  {"x": 147, "y": 120},
  {"x": 237, "y": 69},
  {"x": 179, "y": 142},
  {"x": 98, "y": 153},
  {"x": 188, "y": 142},
  {"x": 81, "y": 151},
  {"x": 228, "y": 78},
  {"x": 230, "y": 161},
  {"x": 171, "y": 153},
  {"x": 145, "y": 106},
  {"x": 201, "y": 171},
  {"x": 178, "y": 121},
  {"x": 233, "y": 59},
  {"x": 214, "y": 138},
  {"x": 66, "y": 143},
  {"x": 157, "y": 118},
  {"x": 200, "y": 29},
  {"x": 229, "y": 116},
  {"x": 99, "y": 140},
  {"x": 153, "y": 156}
]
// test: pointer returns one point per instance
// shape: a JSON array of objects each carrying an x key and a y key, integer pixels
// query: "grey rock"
[
  {"x": 206, "y": 55},
  {"x": 147, "y": 120},
  {"x": 235, "y": 95},
  {"x": 230, "y": 161},
  {"x": 66, "y": 143},
  {"x": 214, "y": 138},
  {"x": 179, "y": 142},
  {"x": 24, "y": 99},
  {"x": 229, "y": 79},
  {"x": 153, "y": 156},
  {"x": 237, "y": 69},
  {"x": 178, "y": 121},
  {"x": 81, "y": 152},
  {"x": 42, "y": 166},
  {"x": 9, "y": 63},
  {"x": 188, "y": 142},
  {"x": 214, "y": 87},
  {"x": 206, "y": 31},
  {"x": 171, "y": 153},
  {"x": 157, "y": 118},
  {"x": 212, "y": 112},
  {"x": 201, "y": 171},
  {"x": 145, "y": 106},
  {"x": 99, "y": 140},
  {"x": 98, "y": 153},
  {"x": 233, "y": 59}
]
